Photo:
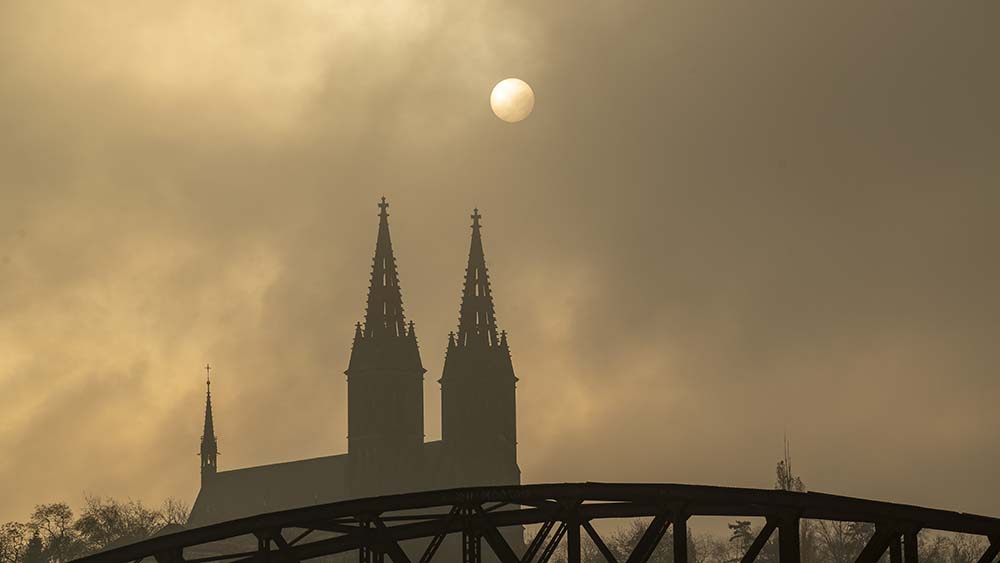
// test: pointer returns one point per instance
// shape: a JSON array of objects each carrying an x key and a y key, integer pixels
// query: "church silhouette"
[{"x": 386, "y": 451}]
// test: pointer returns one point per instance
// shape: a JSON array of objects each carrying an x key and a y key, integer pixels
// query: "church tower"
[
  {"x": 209, "y": 443},
  {"x": 385, "y": 393},
  {"x": 478, "y": 408}
]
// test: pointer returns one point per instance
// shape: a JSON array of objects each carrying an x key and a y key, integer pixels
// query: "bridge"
[{"x": 374, "y": 527}]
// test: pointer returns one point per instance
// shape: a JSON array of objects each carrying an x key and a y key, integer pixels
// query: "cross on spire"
[
  {"x": 383, "y": 207},
  {"x": 208, "y": 375},
  {"x": 475, "y": 218}
]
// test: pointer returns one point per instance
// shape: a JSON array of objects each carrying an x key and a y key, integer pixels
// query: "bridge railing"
[{"x": 375, "y": 527}]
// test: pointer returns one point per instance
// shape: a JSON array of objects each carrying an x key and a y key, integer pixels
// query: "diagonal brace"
[
  {"x": 877, "y": 545},
  {"x": 438, "y": 539},
  {"x": 388, "y": 544},
  {"x": 550, "y": 548},
  {"x": 496, "y": 540},
  {"x": 537, "y": 541},
  {"x": 650, "y": 539},
  {"x": 760, "y": 541},
  {"x": 991, "y": 552},
  {"x": 601, "y": 546}
]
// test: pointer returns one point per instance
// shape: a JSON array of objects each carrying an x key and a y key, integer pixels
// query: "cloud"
[{"x": 716, "y": 226}]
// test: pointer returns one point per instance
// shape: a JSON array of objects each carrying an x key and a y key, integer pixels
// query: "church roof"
[{"x": 267, "y": 488}]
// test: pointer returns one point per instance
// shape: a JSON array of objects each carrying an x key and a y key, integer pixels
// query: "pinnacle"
[
  {"x": 477, "y": 321},
  {"x": 384, "y": 310}
]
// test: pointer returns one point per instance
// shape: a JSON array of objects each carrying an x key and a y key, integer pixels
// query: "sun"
[{"x": 512, "y": 100}]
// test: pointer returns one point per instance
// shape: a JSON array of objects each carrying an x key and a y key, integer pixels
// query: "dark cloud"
[{"x": 721, "y": 223}]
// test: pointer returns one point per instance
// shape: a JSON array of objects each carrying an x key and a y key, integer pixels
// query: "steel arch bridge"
[{"x": 374, "y": 527}]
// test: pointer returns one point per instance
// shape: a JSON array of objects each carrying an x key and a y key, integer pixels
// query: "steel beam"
[
  {"x": 538, "y": 541},
  {"x": 601, "y": 546},
  {"x": 494, "y": 538},
  {"x": 387, "y": 544},
  {"x": 471, "y": 540},
  {"x": 438, "y": 538},
  {"x": 285, "y": 553},
  {"x": 264, "y": 548},
  {"x": 788, "y": 539},
  {"x": 550, "y": 548},
  {"x": 680, "y": 539},
  {"x": 650, "y": 539},
  {"x": 877, "y": 545},
  {"x": 172, "y": 555},
  {"x": 910, "y": 548},
  {"x": 759, "y": 542},
  {"x": 991, "y": 552},
  {"x": 896, "y": 550},
  {"x": 573, "y": 542}
]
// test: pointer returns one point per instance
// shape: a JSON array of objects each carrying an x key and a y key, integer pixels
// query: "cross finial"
[
  {"x": 475, "y": 218},
  {"x": 208, "y": 374},
  {"x": 383, "y": 206}
]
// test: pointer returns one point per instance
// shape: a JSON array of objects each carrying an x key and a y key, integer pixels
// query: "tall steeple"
[
  {"x": 478, "y": 407},
  {"x": 384, "y": 314},
  {"x": 477, "y": 319},
  {"x": 209, "y": 443},
  {"x": 385, "y": 409}
]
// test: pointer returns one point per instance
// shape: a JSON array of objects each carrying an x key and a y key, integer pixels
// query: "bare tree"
[
  {"x": 174, "y": 511},
  {"x": 740, "y": 539},
  {"x": 950, "y": 548},
  {"x": 710, "y": 549},
  {"x": 107, "y": 522},
  {"x": 841, "y": 542},
  {"x": 54, "y": 525},
  {"x": 14, "y": 537}
]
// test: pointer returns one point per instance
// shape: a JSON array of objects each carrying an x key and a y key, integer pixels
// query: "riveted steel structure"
[{"x": 375, "y": 527}]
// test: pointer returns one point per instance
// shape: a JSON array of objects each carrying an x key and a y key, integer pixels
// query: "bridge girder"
[{"x": 376, "y": 526}]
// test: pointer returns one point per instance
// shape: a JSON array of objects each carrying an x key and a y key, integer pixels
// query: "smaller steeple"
[{"x": 209, "y": 443}]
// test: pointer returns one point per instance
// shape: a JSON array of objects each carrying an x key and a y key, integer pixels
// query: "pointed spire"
[
  {"x": 209, "y": 431},
  {"x": 209, "y": 443},
  {"x": 477, "y": 321},
  {"x": 384, "y": 315}
]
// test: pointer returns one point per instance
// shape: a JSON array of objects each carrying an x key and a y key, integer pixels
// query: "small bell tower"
[{"x": 209, "y": 443}]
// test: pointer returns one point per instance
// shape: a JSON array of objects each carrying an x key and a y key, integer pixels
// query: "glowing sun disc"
[{"x": 512, "y": 100}]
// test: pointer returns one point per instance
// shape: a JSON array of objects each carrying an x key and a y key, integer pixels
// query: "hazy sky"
[{"x": 723, "y": 221}]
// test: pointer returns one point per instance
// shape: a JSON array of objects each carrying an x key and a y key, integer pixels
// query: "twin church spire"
[
  {"x": 384, "y": 314},
  {"x": 385, "y": 380},
  {"x": 477, "y": 324}
]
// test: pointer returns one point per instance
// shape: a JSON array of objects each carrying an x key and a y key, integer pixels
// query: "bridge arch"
[{"x": 374, "y": 527}]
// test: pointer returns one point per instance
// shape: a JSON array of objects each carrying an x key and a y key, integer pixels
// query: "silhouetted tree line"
[{"x": 54, "y": 534}]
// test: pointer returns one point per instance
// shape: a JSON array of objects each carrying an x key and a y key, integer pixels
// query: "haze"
[{"x": 727, "y": 222}]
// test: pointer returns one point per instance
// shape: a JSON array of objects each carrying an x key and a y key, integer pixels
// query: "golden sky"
[{"x": 722, "y": 222}]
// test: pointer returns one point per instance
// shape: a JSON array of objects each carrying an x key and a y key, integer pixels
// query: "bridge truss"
[{"x": 375, "y": 527}]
